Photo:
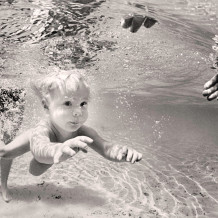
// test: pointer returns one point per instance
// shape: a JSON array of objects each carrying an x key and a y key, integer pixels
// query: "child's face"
[{"x": 68, "y": 111}]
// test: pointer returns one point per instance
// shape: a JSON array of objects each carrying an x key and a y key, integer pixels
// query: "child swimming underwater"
[{"x": 65, "y": 97}]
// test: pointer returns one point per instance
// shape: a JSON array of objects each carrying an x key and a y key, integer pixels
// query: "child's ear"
[{"x": 45, "y": 104}]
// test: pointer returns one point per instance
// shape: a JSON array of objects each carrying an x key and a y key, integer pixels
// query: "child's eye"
[
  {"x": 67, "y": 103},
  {"x": 83, "y": 104}
]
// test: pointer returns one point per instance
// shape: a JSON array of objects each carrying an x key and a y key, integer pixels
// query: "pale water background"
[{"x": 146, "y": 94}]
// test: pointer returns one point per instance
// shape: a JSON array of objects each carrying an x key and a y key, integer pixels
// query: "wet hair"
[{"x": 58, "y": 83}]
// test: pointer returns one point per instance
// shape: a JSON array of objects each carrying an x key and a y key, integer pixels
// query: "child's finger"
[
  {"x": 79, "y": 144},
  {"x": 139, "y": 157},
  {"x": 85, "y": 139},
  {"x": 57, "y": 157},
  {"x": 68, "y": 151},
  {"x": 84, "y": 149},
  {"x": 134, "y": 157},
  {"x": 120, "y": 155},
  {"x": 124, "y": 149},
  {"x": 129, "y": 154}
]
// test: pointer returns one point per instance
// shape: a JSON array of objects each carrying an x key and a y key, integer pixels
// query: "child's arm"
[
  {"x": 109, "y": 150},
  {"x": 17, "y": 147},
  {"x": 45, "y": 151}
]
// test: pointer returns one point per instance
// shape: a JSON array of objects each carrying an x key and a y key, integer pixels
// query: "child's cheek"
[
  {"x": 86, "y": 114},
  {"x": 61, "y": 113}
]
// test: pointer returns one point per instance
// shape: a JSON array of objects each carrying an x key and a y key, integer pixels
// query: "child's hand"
[
  {"x": 123, "y": 153},
  {"x": 71, "y": 147},
  {"x": 129, "y": 154},
  {"x": 211, "y": 88}
]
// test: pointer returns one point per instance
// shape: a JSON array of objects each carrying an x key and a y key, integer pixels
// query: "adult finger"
[
  {"x": 126, "y": 21},
  {"x": 149, "y": 22},
  {"x": 129, "y": 155},
  {"x": 210, "y": 90},
  {"x": 212, "y": 96},
  {"x": 136, "y": 23},
  {"x": 211, "y": 82}
]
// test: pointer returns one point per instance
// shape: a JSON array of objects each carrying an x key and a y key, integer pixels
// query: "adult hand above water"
[
  {"x": 135, "y": 21},
  {"x": 211, "y": 88}
]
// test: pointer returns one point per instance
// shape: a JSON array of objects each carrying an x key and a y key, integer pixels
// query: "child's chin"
[{"x": 74, "y": 127}]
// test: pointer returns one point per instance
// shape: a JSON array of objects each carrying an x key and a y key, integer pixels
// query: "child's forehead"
[
  {"x": 70, "y": 89},
  {"x": 80, "y": 93}
]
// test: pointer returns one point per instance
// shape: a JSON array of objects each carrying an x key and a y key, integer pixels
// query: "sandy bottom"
[
  {"x": 43, "y": 200},
  {"x": 61, "y": 192}
]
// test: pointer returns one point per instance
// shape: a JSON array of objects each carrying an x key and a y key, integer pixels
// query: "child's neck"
[{"x": 61, "y": 135}]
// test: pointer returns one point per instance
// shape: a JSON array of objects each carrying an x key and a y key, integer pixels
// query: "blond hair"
[{"x": 61, "y": 81}]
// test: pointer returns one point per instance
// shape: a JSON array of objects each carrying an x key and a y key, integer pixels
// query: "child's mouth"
[{"x": 75, "y": 123}]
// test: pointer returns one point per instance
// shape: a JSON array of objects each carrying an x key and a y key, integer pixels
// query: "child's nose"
[{"x": 77, "y": 112}]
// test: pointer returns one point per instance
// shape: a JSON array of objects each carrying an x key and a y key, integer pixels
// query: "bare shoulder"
[{"x": 41, "y": 129}]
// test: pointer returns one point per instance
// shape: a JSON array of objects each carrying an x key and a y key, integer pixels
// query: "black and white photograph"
[{"x": 108, "y": 108}]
